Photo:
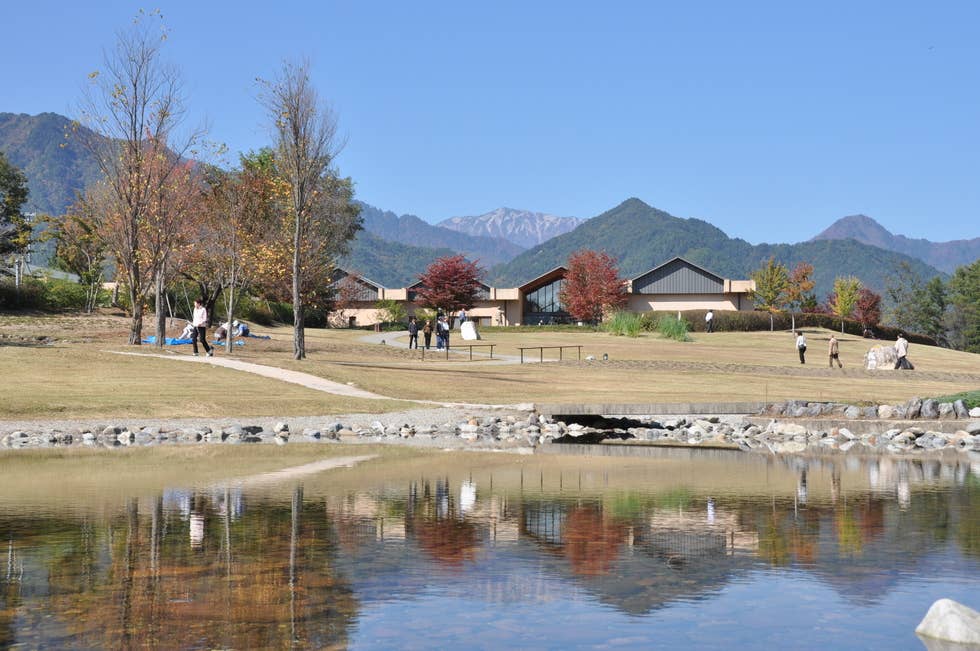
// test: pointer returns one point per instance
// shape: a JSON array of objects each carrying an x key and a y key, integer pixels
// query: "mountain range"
[
  {"x": 522, "y": 227},
  {"x": 945, "y": 256},
  {"x": 489, "y": 250},
  {"x": 517, "y": 245},
  {"x": 642, "y": 237}
]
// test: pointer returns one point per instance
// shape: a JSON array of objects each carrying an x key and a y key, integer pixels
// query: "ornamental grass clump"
[
  {"x": 624, "y": 324},
  {"x": 673, "y": 328}
]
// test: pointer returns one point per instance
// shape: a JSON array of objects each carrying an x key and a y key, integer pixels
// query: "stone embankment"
[{"x": 785, "y": 428}]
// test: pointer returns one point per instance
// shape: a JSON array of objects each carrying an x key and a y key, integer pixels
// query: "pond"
[{"x": 593, "y": 548}]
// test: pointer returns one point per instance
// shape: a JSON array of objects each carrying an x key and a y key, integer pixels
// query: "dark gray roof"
[{"x": 678, "y": 276}]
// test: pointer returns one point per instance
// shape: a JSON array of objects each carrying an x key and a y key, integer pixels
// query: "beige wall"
[
  {"x": 674, "y": 302},
  {"x": 508, "y": 312}
]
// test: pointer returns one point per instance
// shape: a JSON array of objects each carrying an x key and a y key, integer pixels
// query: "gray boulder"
[
  {"x": 952, "y": 621},
  {"x": 930, "y": 409},
  {"x": 913, "y": 407},
  {"x": 946, "y": 410},
  {"x": 852, "y": 412},
  {"x": 960, "y": 408}
]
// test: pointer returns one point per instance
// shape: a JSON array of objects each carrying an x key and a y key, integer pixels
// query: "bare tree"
[
  {"x": 133, "y": 108},
  {"x": 320, "y": 216}
]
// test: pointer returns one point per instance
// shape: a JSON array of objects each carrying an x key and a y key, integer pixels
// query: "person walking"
[
  {"x": 902, "y": 351},
  {"x": 834, "y": 352},
  {"x": 427, "y": 333},
  {"x": 200, "y": 322},
  {"x": 709, "y": 321},
  {"x": 413, "y": 333},
  {"x": 801, "y": 346}
]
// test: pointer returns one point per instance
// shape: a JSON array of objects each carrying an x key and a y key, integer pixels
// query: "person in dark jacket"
[
  {"x": 413, "y": 333},
  {"x": 427, "y": 333}
]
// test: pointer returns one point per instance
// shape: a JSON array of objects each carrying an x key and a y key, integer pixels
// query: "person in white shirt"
[
  {"x": 200, "y": 322},
  {"x": 902, "y": 350},
  {"x": 801, "y": 346},
  {"x": 709, "y": 320}
]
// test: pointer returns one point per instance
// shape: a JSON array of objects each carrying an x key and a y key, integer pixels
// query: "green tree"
[
  {"x": 964, "y": 314},
  {"x": 931, "y": 307},
  {"x": 79, "y": 249},
  {"x": 391, "y": 311},
  {"x": 844, "y": 299},
  {"x": 904, "y": 291},
  {"x": 771, "y": 284},
  {"x": 15, "y": 232}
]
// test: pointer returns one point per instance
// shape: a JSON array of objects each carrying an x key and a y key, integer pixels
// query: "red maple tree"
[
  {"x": 867, "y": 310},
  {"x": 592, "y": 285},
  {"x": 450, "y": 284}
]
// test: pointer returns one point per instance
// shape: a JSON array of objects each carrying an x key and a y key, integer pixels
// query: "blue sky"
[{"x": 769, "y": 120}]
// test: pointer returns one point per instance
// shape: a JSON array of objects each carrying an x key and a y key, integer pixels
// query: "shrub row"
[
  {"x": 51, "y": 294},
  {"x": 758, "y": 321}
]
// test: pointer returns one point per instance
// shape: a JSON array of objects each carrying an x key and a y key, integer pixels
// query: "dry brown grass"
[{"x": 76, "y": 378}]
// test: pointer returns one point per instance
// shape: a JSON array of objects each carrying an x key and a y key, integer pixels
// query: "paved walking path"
[
  {"x": 295, "y": 377},
  {"x": 307, "y": 380}
]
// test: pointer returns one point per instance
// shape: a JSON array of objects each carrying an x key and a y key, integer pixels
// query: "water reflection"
[{"x": 302, "y": 566}]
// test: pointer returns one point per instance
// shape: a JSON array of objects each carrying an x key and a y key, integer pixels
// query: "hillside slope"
[
  {"x": 642, "y": 237},
  {"x": 57, "y": 168},
  {"x": 945, "y": 256}
]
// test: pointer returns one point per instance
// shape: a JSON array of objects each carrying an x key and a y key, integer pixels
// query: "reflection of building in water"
[
  {"x": 363, "y": 516},
  {"x": 690, "y": 533},
  {"x": 467, "y": 496}
]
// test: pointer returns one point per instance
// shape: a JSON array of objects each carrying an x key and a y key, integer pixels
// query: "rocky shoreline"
[{"x": 792, "y": 427}]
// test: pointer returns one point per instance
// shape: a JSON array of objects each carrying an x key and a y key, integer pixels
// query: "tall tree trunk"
[
  {"x": 299, "y": 338},
  {"x": 136, "y": 326},
  {"x": 161, "y": 312}
]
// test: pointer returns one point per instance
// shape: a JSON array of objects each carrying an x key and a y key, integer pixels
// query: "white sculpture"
[{"x": 467, "y": 329}]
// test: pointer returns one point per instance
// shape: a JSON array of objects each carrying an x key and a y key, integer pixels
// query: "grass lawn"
[{"x": 75, "y": 377}]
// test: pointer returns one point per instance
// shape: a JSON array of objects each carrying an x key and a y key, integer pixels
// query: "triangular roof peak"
[
  {"x": 676, "y": 259},
  {"x": 544, "y": 278},
  {"x": 348, "y": 272}
]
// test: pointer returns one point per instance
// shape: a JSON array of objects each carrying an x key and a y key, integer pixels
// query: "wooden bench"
[
  {"x": 540, "y": 349},
  {"x": 470, "y": 346}
]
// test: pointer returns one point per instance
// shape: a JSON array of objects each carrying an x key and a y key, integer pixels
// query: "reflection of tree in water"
[
  {"x": 265, "y": 580},
  {"x": 432, "y": 519},
  {"x": 593, "y": 542},
  {"x": 966, "y": 507},
  {"x": 581, "y": 532},
  {"x": 10, "y": 597}
]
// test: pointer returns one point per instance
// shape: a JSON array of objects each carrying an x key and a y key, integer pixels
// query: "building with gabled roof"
[{"x": 677, "y": 284}]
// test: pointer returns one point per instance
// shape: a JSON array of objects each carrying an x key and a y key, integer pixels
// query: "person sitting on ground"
[
  {"x": 187, "y": 332},
  {"x": 241, "y": 329},
  {"x": 220, "y": 334}
]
